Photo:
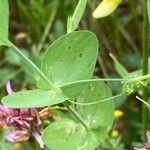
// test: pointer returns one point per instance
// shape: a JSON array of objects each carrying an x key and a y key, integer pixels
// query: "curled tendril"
[
  {"x": 133, "y": 84},
  {"x": 128, "y": 88}
]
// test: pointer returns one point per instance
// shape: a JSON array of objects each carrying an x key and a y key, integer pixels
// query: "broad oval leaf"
[
  {"x": 98, "y": 117},
  {"x": 33, "y": 98},
  {"x": 70, "y": 58},
  {"x": 69, "y": 135}
]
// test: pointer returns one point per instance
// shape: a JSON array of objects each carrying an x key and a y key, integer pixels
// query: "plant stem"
[
  {"x": 31, "y": 65},
  {"x": 76, "y": 115},
  {"x": 93, "y": 103},
  {"x": 145, "y": 66}
]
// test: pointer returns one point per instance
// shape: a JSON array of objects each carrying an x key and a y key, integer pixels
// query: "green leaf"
[
  {"x": 4, "y": 12},
  {"x": 9, "y": 54},
  {"x": 5, "y": 145},
  {"x": 119, "y": 68},
  {"x": 73, "y": 90},
  {"x": 73, "y": 21},
  {"x": 4, "y": 42},
  {"x": 99, "y": 117},
  {"x": 136, "y": 73},
  {"x": 133, "y": 74},
  {"x": 33, "y": 98},
  {"x": 68, "y": 59},
  {"x": 148, "y": 9},
  {"x": 69, "y": 135},
  {"x": 7, "y": 74}
]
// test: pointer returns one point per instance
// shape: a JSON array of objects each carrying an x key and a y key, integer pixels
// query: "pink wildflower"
[
  {"x": 8, "y": 88},
  {"x": 22, "y": 123},
  {"x": 147, "y": 145},
  {"x": 39, "y": 139}
]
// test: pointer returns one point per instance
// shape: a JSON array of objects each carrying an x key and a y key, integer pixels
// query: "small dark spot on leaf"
[
  {"x": 89, "y": 65},
  {"x": 80, "y": 55},
  {"x": 69, "y": 47}
]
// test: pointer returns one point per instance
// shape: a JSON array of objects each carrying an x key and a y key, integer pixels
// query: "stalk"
[
  {"x": 76, "y": 115},
  {"x": 145, "y": 49}
]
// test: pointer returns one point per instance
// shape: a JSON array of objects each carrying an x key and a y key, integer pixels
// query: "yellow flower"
[
  {"x": 114, "y": 133},
  {"x": 118, "y": 113},
  {"x": 105, "y": 8}
]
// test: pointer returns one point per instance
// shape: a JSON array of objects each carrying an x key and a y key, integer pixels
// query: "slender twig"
[{"x": 145, "y": 66}]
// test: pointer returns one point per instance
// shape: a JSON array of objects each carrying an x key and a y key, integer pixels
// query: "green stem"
[
  {"x": 93, "y": 103},
  {"x": 145, "y": 67},
  {"x": 31, "y": 65},
  {"x": 94, "y": 80},
  {"x": 75, "y": 114}
]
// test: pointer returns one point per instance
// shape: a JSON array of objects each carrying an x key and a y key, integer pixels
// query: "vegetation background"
[{"x": 35, "y": 24}]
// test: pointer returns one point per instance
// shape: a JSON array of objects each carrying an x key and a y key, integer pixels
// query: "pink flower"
[
  {"x": 39, "y": 139},
  {"x": 147, "y": 145},
  {"x": 8, "y": 88},
  {"x": 22, "y": 123}
]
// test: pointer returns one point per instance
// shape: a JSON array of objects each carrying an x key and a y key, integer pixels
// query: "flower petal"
[
  {"x": 148, "y": 136},
  {"x": 105, "y": 8},
  {"x": 5, "y": 109},
  {"x": 17, "y": 136},
  {"x": 8, "y": 88},
  {"x": 139, "y": 149},
  {"x": 39, "y": 139}
]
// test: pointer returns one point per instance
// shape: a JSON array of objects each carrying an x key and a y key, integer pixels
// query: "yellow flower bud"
[
  {"x": 105, "y": 8},
  {"x": 114, "y": 133},
  {"x": 118, "y": 113}
]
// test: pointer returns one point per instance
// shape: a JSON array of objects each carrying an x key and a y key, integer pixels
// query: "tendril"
[
  {"x": 93, "y": 103},
  {"x": 130, "y": 86}
]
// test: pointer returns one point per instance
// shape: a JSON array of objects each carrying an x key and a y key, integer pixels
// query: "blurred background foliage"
[{"x": 35, "y": 24}]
